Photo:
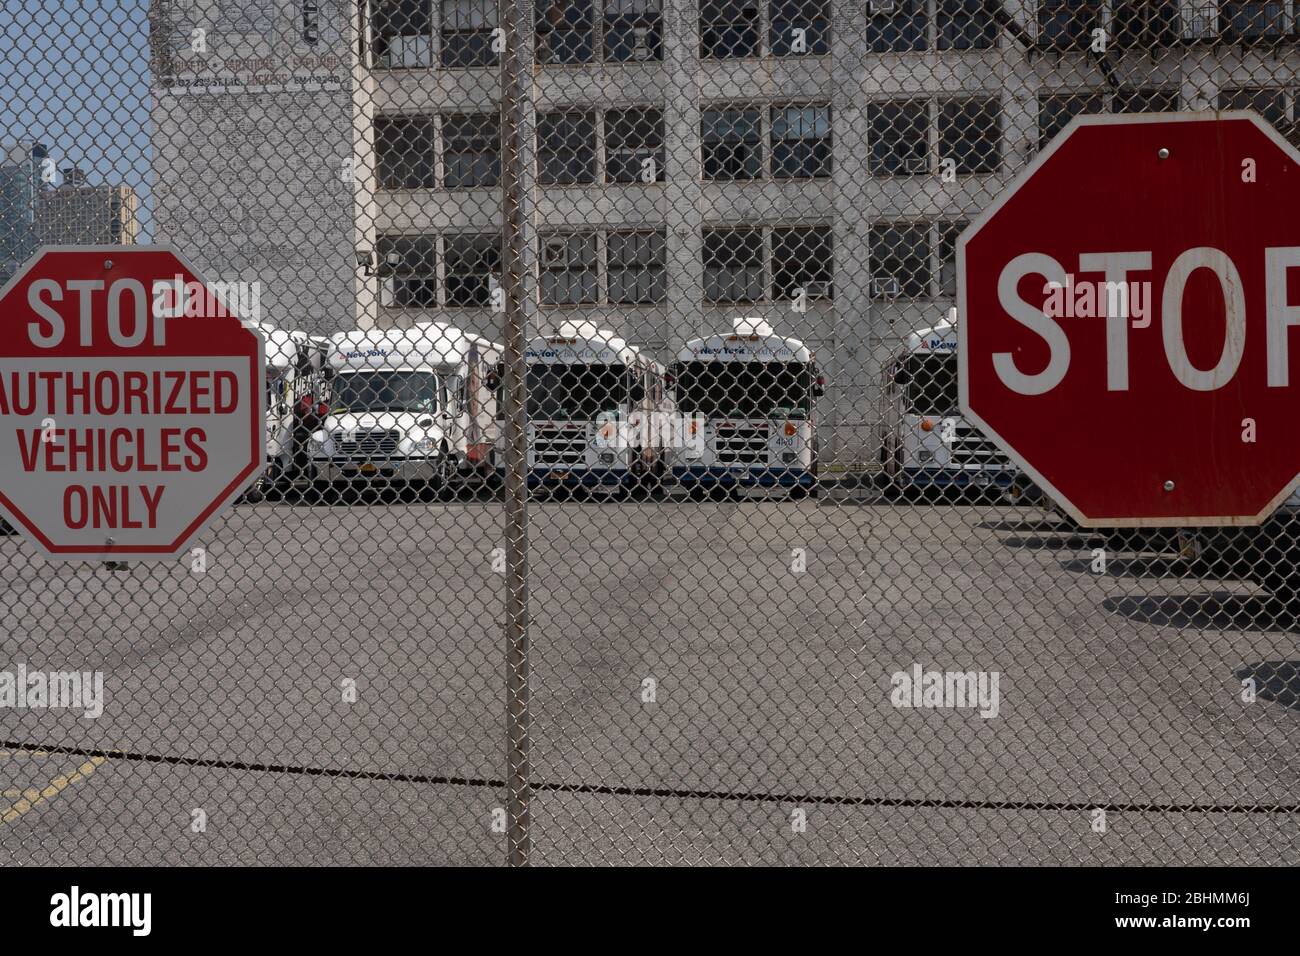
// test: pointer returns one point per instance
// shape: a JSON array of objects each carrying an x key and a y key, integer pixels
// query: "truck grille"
[
  {"x": 741, "y": 444},
  {"x": 971, "y": 449},
  {"x": 559, "y": 444},
  {"x": 366, "y": 445}
]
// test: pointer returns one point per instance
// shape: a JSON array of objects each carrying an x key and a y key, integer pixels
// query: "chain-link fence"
[{"x": 618, "y": 507}]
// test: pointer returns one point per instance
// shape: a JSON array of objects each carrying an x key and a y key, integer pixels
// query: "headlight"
[
  {"x": 607, "y": 458},
  {"x": 424, "y": 446}
]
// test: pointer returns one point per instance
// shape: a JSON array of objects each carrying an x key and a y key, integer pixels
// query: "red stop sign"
[
  {"x": 131, "y": 401},
  {"x": 1125, "y": 314}
]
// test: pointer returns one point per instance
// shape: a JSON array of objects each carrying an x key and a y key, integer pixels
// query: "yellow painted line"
[{"x": 32, "y": 797}]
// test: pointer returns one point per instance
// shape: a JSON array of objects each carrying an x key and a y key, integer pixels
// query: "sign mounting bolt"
[
  {"x": 1164, "y": 153},
  {"x": 1169, "y": 486},
  {"x": 108, "y": 263}
]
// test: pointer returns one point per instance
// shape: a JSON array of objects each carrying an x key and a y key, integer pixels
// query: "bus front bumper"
[
  {"x": 725, "y": 476},
  {"x": 386, "y": 470}
]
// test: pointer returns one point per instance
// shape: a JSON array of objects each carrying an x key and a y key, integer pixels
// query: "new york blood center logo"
[{"x": 131, "y": 402}]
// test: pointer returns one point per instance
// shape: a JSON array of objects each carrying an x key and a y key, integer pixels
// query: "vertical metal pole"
[{"x": 515, "y": 491}]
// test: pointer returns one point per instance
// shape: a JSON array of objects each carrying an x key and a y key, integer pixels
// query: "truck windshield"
[
  {"x": 744, "y": 389},
  {"x": 575, "y": 392},
  {"x": 929, "y": 384},
  {"x": 385, "y": 391}
]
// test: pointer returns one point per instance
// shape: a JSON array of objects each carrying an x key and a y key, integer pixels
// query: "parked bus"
[
  {"x": 409, "y": 408},
  {"x": 924, "y": 439},
  {"x": 754, "y": 394},
  {"x": 593, "y": 404}
]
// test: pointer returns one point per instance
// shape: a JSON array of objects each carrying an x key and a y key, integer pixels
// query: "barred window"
[
  {"x": 408, "y": 275},
  {"x": 731, "y": 142},
  {"x": 898, "y": 26},
  {"x": 566, "y": 148},
  {"x": 466, "y": 34},
  {"x": 729, "y": 29},
  {"x": 1067, "y": 24},
  {"x": 1055, "y": 110},
  {"x": 1247, "y": 21},
  {"x": 799, "y": 28},
  {"x": 568, "y": 269},
  {"x": 966, "y": 25},
  {"x": 566, "y": 31},
  {"x": 471, "y": 150},
  {"x": 802, "y": 258},
  {"x": 801, "y": 142},
  {"x": 246, "y": 16},
  {"x": 634, "y": 145},
  {"x": 404, "y": 154},
  {"x": 733, "y": 265},
  {"x": 1144, "y": 101},
  {"x": 1143, "y": 24},
  {"x": 1270, "y": 104},
  {"x": 970, "y": 132},
  {"x": 900, "y": 260},
  {"x": 899, "y": 138},
  {"x": 636, "y": 271},
  {"x": 401, "y": 33},
  {"x": 473, "y": 267},
  {"x": 633, "y": 30}
]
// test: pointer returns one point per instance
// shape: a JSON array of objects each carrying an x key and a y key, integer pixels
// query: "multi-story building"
[
  {"x": 252, "y": 150},
  {"x": 77, "y": 213},
  {"x": 22, "y": 168},
  {"x": 811, "y": 162}
]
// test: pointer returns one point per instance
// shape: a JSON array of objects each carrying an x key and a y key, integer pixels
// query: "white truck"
[
  {"x": 410, "y": 409},
  {"x": 593, "y": 403},
  {"x": 924, "y": 440},
  {"x": 754, "y": 394}
]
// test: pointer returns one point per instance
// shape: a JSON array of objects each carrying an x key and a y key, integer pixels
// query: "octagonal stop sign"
[
  {"x": 131, "y": 401},
  {"x": 1126, "y": 310}
]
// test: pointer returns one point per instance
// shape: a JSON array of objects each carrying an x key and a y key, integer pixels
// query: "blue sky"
[{"x": 74, "y": 76}]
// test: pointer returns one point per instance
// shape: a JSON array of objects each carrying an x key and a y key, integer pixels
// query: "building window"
[
  {"x": 1143, "y": 24},
  {"x": 900, "y": 260},
  {"x": 899, "y": 138},
  {"x": 408, "y": 272},
  {"x": 965, "y": 25},
  {"x": 899, "y": 26},
  {"x": 566, "y": 148},
  {"x": 633, "y": 30},
  {"x": 799, "y": 28},
  {"x": 636, "y": 272},
  {"x": 1270, "y": 104},
  {"x": 801, "y": 142},
  {"x": 949, "y": 233},
  {"x": 733, "y": 265},
  {"x": 473, "y": 268},
  {"x": 802, "y": 260},
  {"x": 1144, "y": 101},
  {"x": 731, "y": 143},
  {"x": 404, "y": 152},
  {"x": 568, "y": 269},
  {"x": 634, "y": 146},
  {"x": 466, "y": 33},
  {"x": 1252, "y": 21},
  {"x": 729, "y": 29},
  {"x": 1056, "y": 110},
  {"x": 1067, "y": 24},
  {"x": 246, "y": 16},
  {"x": 401, "y": 33},
  {"x": 471, "y": 150},
  {"x": 970, "y": 132},
  {"x": 566, "y": 31}
]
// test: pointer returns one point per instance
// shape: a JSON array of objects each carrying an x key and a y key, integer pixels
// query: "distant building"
[
  {"x": 20, "y": 177},
  {"x": 76, "y": 213}
]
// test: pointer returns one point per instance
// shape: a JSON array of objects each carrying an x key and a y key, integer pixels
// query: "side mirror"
[{"x": 492, "y": 380}]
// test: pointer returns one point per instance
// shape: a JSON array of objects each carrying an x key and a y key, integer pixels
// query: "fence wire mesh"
[{"x": 617, "y": 505}]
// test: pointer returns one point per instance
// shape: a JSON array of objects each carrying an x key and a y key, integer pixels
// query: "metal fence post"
[{"x": 515, "y": 492}]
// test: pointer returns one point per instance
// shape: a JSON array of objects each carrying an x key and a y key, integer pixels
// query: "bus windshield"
[
  {"x": 929, "y": 384},
  {"x": 745, "y": 389},
  {"x": 575, "y": 392},
  {"x": 386, "y": 391}
]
